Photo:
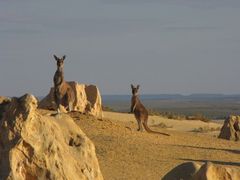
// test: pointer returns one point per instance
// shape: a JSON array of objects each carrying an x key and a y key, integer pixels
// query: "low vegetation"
[
  {"x": 198, "y": 116},
  {"x": 171, "y": 115},
  {"x": 206, "y": 129},
  {"x": 107, "y": 108},
  {"x": 162, "y": 125},
  {"x": 212, "y": 108},
  {"x": 168, "y": 114}
]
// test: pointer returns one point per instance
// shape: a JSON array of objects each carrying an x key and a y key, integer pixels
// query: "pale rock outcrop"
[
  {"x": 228, "y": 131},
  {"x": 210, "y": 171},
  {"x": 87, "y": 99},
  {"x": 35, "y": 146}
]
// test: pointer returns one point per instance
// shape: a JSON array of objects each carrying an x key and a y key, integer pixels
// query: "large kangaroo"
[
  {"x": 140, "y": 112},
  {"x": 63, "y": 92}
]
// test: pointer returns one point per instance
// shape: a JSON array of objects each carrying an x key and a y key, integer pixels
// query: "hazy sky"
[{"x": 166, "y": 46}]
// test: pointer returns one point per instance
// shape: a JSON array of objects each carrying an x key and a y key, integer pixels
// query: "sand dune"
[{"x": 124, "y": 153}]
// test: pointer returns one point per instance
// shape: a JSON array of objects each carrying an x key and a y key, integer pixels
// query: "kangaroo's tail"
[{"x": 151, "y": 131}]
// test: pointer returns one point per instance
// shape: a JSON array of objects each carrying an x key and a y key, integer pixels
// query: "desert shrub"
[
  {"x": 175, "y": 116},
  {"x": 168, "y": 115},
  {"x": 205, "y": 129},
  {"x": 152, "y": 112},
  {"x": 198, "y": 116},
  {"x": 109, "y": 109},
  {"x": 162, "y": 125},
  {"x": 178, "y": 116}
]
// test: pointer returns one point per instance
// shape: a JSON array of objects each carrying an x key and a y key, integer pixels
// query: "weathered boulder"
[
  {"x": 87, "y": 99},
  {"x": 36, "y": 146},
  {"x": 183, "y": 171},
  {"x": 229, "y": 130},
  {"x": 211, "y": 171},
  {"x": 208, "y": 171}
]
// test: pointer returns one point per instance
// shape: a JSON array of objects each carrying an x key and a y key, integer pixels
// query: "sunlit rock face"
[
  {"x": 35, "y": 146},
  {"x": 87, "y": 99}
]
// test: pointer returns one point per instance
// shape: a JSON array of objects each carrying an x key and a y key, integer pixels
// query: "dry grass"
[
  {"x": 206, "y": 129},
  {"x": 176, "y": 116},
  {"x": 107, "y": 108},
  {"x": 200, "y": 117},
  {"x": 162, "y": 125}
]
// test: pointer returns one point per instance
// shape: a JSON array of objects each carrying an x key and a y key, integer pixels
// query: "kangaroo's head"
[
  {"x": 60, "y": 61},
  {"x": 135, "y": 89}
]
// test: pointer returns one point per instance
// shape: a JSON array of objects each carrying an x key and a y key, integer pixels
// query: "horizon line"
[{"x": 181, "y": 94}]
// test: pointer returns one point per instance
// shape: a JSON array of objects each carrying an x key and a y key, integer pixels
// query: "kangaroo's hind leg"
[
  {"x": 70, "y": 100},
  {"x": 70, "y": 106},
  {"x": 140, "y": 128},
  {"x": 57, "y": 99}
]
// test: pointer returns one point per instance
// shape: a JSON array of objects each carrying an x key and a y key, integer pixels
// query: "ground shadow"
[
  {"x": 215, "y": 162},
  {"x": 211, "y": 148}
]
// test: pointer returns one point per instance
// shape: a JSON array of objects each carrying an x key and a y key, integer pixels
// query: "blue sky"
[{"x": 166, "y": 46}]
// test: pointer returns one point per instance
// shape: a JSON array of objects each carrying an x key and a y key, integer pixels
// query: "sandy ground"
[
  {"x": 125, "y": 153},
  {"x": 175, "y": 125}
]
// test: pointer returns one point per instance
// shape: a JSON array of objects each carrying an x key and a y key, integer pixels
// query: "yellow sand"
[{"x": 124, "y": 153}]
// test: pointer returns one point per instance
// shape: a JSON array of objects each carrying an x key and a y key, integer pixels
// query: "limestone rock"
[
  {"x": 228, "y": 131},
  {"x": 211, "y": 171},
  {"x": 183, "y": 171},
  {"x": 208, "y": 171},
  {"x": 87, "y": 99},
  {"x": 36, "y": 146}
]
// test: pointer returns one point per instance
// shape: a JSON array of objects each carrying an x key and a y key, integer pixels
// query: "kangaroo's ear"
[
  {"x": 138, "y": 86},
  {"x": 55, "y": 57},
  {"x": 63, "y": 58},
  {"x": 132, "y": 86}
]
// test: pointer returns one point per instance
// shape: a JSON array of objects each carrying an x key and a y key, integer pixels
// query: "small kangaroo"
[
  {"x": 140, "y": 112},
  {"x": 63, "y": 92}
]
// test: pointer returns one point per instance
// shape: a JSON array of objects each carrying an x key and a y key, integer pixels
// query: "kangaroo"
[
  {"x": 63, "y": 92},
  {"x": 140, "y": 112}
]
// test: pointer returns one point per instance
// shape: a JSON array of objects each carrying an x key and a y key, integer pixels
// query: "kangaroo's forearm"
[
  {"x": 131, "y": 109},
  {"x": 58, "y": 83},
  {"x": 133, "y": 106}
]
